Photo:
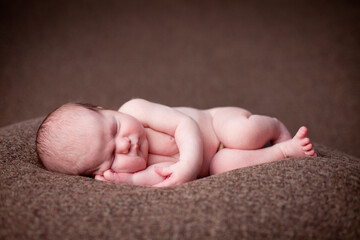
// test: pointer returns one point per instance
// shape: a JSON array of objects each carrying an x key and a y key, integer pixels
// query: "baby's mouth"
[{"x": 135, "y": 147}]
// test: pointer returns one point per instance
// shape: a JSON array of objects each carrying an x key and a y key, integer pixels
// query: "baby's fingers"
[
  {"x": 110, "y": 176},
  {"x": 115, "y": 177},
  {"x": 163, "y": 171},
  {"x": 166, "y": 183},
  {"x": 100, "y": 178}
]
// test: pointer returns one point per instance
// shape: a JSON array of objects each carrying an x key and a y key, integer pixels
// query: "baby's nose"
[{"x": 123, "y": 145}]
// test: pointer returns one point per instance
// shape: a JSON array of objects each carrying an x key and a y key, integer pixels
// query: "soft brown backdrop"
[{"x": 297, "y": 61}]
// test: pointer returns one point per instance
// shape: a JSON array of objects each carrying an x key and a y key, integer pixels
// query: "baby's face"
[{"x": 113, "y": 140}]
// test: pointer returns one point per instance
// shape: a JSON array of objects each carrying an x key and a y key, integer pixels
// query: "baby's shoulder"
[{"x": 135, "y": 103}]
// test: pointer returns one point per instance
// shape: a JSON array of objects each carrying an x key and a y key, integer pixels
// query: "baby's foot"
[{"x": 298, "y": 146}]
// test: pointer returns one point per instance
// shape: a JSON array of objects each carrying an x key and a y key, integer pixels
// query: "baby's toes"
[
  {"x": 305, "y": 141},
  {"x": 301, "y": 133},
  {"x": 307, "y": 147},
  {"x": 310, "y": 153}
]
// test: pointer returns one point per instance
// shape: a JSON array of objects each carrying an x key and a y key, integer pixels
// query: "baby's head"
[
  {"x": 60, "y": 137},
  {"x": 83, "y": 139}
]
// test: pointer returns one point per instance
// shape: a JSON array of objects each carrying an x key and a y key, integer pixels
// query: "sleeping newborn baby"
[{"x": 150, "y": 144}]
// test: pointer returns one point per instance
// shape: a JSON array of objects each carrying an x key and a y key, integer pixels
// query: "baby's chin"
[{"x": 141, "y": 165}]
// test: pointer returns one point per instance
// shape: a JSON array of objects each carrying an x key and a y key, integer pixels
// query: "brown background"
[{"x": 297, "y": 61}]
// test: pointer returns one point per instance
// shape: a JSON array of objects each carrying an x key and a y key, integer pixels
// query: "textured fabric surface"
[
  {"x": 299, "y": 198},
  {"x": 295, "y": 60}
]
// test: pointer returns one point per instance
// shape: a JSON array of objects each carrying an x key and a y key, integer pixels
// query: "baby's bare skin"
[
  {"x": 164, "y": 145},
  {"x": 145, "y": 143},
  {"x": 242, "y": 134}
]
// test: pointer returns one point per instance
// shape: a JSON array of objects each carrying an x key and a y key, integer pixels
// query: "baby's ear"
[{"x": 100, "y": 178}]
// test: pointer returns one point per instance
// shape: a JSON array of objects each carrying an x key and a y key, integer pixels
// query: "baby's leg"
[
  {"x": 229, "y": 159},
  {"x": 236, "y": 128}
]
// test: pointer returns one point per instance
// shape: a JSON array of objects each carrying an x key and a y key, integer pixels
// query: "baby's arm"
[
  {"x": 146, "y": 177},
  {"x": 185, "y": 130}
]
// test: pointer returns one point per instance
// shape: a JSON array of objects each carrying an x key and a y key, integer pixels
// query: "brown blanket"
[{"x": 298, "y": 198}]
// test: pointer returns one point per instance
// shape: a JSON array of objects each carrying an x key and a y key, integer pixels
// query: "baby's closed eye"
[{"x": 116, "y": 127}]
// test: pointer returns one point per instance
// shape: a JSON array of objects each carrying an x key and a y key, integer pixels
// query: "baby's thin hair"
[
  {"x": 46, "y": 134},
  {"x": 88, "y": 106}
]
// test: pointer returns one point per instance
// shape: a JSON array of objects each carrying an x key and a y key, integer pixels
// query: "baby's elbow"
[
  {"x": 132, "y": 104},
  {"x": 136, "y": 101}
]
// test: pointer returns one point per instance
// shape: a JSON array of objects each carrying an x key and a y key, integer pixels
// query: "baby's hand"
[
  {"x": 146, "y": 177},
  {"x": 100, "y": 178},
  {"x": 111, "y": 176},
  {"x": 175, "y": 174}
]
